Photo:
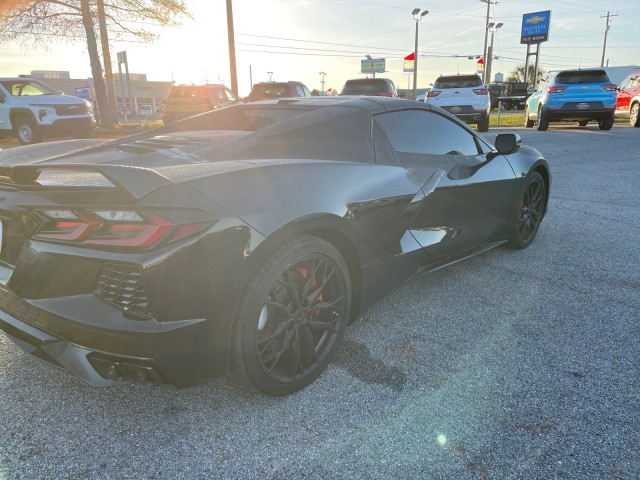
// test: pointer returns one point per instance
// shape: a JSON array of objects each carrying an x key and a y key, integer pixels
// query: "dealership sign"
[
  {"x": 375, "y": 65},
  {"x": 409, "y": 63},
  {"x": 535, "y": 27}
]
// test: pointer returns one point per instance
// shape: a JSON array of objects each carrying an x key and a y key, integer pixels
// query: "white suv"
[
  {"x": 31, "y": 109},
  {"x": 464, "y": 96}
]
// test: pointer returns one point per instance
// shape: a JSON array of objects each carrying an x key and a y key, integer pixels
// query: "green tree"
[
  {"x": 517, "y": 75},
  {"x": 35, "y": 23}
]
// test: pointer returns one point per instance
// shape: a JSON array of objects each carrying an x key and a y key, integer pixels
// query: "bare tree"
[
  {"x": 517, "y": 75},
  {"x": 36, "y": 23}
]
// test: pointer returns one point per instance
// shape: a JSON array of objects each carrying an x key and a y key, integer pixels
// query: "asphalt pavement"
[{"x": 510, "y": 365}]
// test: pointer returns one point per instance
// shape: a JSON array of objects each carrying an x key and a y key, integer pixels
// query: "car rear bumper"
[
  {"x": 557, "y": 115},
  {"x": 144, "y": 352}
]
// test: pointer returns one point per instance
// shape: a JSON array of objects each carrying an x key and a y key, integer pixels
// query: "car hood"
[{"x": 44, "y": 100}]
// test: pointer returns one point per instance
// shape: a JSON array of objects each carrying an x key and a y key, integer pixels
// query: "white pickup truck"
[{"x": 31, "y": 109}]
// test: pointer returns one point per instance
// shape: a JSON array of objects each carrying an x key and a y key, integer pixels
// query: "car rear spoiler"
[{"x": 135, "y": 180}]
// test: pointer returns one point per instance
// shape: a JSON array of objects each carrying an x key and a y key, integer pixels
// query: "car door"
[
  {"x": 534, "y": 100},
  {"x": 466, "y": 199},
  {"x": 5, "y": 108}
]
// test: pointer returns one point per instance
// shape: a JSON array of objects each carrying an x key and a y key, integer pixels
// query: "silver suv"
[
  {"x": 464, "y": 96},
  {"x": 31, "y": 109}
]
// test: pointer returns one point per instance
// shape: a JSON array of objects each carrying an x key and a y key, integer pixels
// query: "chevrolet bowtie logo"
[{"x": 536, "y": 20}]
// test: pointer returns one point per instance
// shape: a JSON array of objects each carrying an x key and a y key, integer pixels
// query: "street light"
[
  {"x": 270, "y": 75},
  {"x": 417, "y": 16},
  {"x": 493, "y": 28},
  {"x": 322, "y": 74}
]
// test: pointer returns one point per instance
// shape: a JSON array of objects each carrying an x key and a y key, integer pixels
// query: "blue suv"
[{"x": 572, "y": 95}]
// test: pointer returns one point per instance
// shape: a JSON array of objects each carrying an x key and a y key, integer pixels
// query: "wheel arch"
[
  {"x": 543, "y": 170},
  {"x": 331, "y": 228},
  {"x": 15, "y": 113}
]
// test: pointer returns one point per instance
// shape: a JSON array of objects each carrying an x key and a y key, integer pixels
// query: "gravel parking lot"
[{"x": 511, "y": 365}]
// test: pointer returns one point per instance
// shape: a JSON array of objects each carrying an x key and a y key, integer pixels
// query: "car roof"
[
  {"x": 455, "y": 75},
  {"x": 208, "y": 85},
  {"x": 373, "y": 104},
  {"x": 364, "y": 80},
  {"x": 288, "y": 82},
  {"x": 567, "y": 70}
]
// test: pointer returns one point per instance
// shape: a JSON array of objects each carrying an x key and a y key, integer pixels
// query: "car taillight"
[
  {"x": 555, "y": 89},
  {"x": 480, "y": 91},
  {"x": 385, "y": 94},
  {"x": 119, "y": 228},
  {"x": 610, "y": 87},
  {"x": 433, "y": 93}
]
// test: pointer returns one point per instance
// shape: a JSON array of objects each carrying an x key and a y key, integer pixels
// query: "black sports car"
[{"x": 243, "y": 241}]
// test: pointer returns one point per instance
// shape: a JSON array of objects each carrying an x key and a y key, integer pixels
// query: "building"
[{"x": 139, "y": 91}]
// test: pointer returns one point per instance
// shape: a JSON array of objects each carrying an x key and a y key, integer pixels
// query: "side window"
[
  {"x": 306, "y": 91},
  {"x": 230, "y": 96},
  {"x": 626, "y": 83},
  {"x": 424, "y": 132}
]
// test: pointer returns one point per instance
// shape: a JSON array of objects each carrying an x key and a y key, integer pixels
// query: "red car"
[{"x": 628, "y": 100}]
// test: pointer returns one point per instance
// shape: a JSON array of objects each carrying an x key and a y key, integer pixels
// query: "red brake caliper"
[{"x": 314, "y": 283}]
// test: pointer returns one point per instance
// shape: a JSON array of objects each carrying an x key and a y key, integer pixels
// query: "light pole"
[
  {"x": 270, "y": 75},
  {"x": 322, "y": 74},
  {"x": 417, "y": 16},
  {"x": 488, "y": 63}
]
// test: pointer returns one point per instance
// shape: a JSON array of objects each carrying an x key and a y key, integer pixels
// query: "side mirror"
[{"x": 507, "y": 143}]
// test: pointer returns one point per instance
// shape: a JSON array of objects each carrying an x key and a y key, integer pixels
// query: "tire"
[
  {"x": 483, "y": 125},
  {"x": 634, "y": 115},
  {"x": 531, "y": 207},
  {"x": 542, "y": 123},
  {"x": 528, "y": 123},
  {"x": 291, "y": 317},
  {"x": 583, "y": 123},
  {"x": 26, "y": 131},
  {"x": 605, "y": 123}
]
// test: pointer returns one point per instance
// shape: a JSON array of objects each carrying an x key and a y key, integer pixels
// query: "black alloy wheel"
[
  {"x": 530, "y": 211},
  {"x": 292, "y": 317}
]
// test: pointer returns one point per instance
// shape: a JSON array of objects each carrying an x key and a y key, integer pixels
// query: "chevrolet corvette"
[{"x": 244, "y": 241}]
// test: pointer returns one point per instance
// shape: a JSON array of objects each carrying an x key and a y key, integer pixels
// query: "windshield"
[
  {"x": 459, "y": 81},
  {"x": 271, "y": 90},
  {"x": 593, "y": 76},
  {"x": 365, "y": 87},
  {"x": 22, "y": 88}
]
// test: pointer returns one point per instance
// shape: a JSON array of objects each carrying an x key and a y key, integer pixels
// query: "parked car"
[
  {"x": 628, "y": 99},
  {"x": 31, "y": 110},
  {"x": 271, "y": 90},
  {"x": 187, "y": 100},
  {"x": 145, "y": 110},
  {"x": 243, "y": 241},
  {"x": 464, "y": 96},
  {"x": 580, "y": 95},
  {"x": 383, "y": 87}
]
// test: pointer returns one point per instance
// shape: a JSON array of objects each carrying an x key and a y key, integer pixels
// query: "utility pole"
[
  {"x": 606, "y": 31},
  {"x": 486, "y": 38},
  {"x": 232, "y": 48},
  {"x": 111, "y": 115}
]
